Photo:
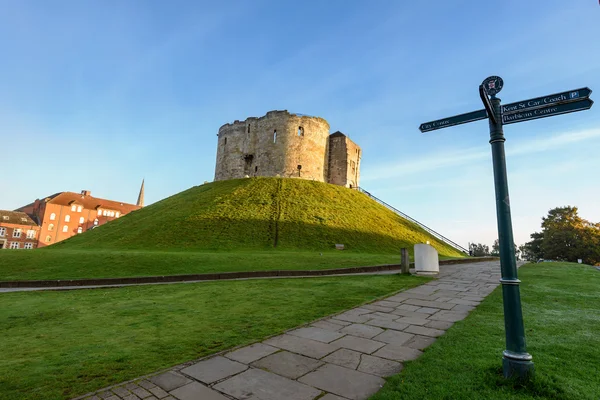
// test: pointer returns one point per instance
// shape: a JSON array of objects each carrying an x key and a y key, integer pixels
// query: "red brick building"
[
  {"x": 65, "y": 214},
  {"x": 17, "y": 231}
]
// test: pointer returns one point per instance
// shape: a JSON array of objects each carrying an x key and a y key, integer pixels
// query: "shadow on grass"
[{"x": 538, "y": 385}]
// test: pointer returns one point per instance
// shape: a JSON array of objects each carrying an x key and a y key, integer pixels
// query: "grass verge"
[
  {"x": 79, "y": 264},
  {"x": 562, "y": 318},
  {"x": 58, "y": 345}
]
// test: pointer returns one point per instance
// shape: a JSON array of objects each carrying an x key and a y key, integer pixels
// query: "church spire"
[{"x": 140, "y": 201}]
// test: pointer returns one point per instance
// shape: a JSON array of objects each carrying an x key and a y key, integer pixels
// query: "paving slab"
[
  {"x": 288, "y": 364},
  {"x": 391, "y": 336},
  {"x": 408, "y": 307},
  {"x": 381, "y": 315},
  {"x": 379, "y": 308},
  {"x": 337, "y": 321},
  {"x": 214, "y": 369},
  {"x": 129, "y": 397},
  {"x": 141, "y": 393},
  {"x": 328, "y": 325},
  {"x": 387, "y": 303},
  {"x": 429, "y": 303},
  {"x": 420, "y": 330},
  {"x": 397, "y": 353},
  {"x": 262, "y": 385},
  {"x": 358, "y": 344},
  {"x": 251, "y": 353},
  {"x": 419, "y": 342},
  {"x": 169, "y": 380},
  {"x": 146, "y": 384},
  {"x": 448, "y": 316},
  {"x": 121, "y": 391},
  {"x": 318, "y": 334},
  {"x": 158, "y": 392},
  {"x": 444, "y": 325},
  {"x": 362, "y": 330},
  {"x": 462, "y": 308},
  {"x": 344, "y": 382},
  {"x": 414, "y": 320},
  {"x": 352, "y": 318},
  {"x": 379, "y": 366},
  {"x": 405, "y": 313},
  {"x": 427, "y": 310},
  {"x": 386, "y": 323},
  {"x": 330, "y": 396},
  {"x": 196, "y": 391},
  {"x": 306, "y": 347},
  {"x": 464, "y": 302},
  {"x": 344, "y": 358}
]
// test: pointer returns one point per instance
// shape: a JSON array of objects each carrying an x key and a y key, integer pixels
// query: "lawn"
[
  {"x": 562, "y": 318},
  {"x": 73, "y": 264},
  {"x": 57, "y": 345}
]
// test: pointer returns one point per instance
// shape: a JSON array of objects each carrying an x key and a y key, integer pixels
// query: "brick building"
[
  {"x": 65, "y": 214},
  {"x": 17, "y": 230}
]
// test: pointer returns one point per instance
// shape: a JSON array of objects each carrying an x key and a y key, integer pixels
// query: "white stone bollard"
[{"x": 426, "y": 260}]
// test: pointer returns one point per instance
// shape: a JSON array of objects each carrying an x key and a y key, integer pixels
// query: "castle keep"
[{"x": 287, "y": 145}]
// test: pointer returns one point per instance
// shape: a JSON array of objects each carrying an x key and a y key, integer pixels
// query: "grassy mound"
[{"x": 260, "y": 214}]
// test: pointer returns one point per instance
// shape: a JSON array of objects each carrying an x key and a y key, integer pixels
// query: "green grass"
[
  {"x": 562, "y": 320},
  {"x": 57, "y": 345},
  {"x": 260, "y": 214},
  {"x": 75, "y": 264}
]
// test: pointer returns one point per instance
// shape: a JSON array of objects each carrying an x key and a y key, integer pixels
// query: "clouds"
[{"x": 441, "y": 160}]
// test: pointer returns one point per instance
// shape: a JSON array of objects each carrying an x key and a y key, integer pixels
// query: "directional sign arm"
[
  {"x": 452, "y": 121},
  {"x": 558, "y": 109}
]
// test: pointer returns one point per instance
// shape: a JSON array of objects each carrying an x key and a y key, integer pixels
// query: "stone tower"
[{"x": 286, "y": 145}]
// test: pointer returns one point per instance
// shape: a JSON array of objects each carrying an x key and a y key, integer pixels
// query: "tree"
[
  {"x": 479, "y": 250},
  {"x": 532, "y": 251},
  {"x": 496, "y": 248},
  {"x": 565, "y": 236}
]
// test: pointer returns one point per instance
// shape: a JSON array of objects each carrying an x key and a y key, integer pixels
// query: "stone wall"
[
  {"x": 344, "y": 161},
  {"x": 280, "y": 143}
]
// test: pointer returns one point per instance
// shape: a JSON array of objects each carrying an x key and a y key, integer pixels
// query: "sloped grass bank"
[
  {"x": 562, "y": 319},
  {"x": 260, "y": 214}
]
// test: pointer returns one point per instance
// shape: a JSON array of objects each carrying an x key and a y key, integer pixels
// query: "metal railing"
[{"x": 424, "y": 227}]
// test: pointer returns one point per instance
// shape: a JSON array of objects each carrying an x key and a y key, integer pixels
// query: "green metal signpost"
[{"x": 515, "y": 361}]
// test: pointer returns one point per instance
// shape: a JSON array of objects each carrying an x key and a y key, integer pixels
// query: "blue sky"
[{"x": 99, "y": 94}]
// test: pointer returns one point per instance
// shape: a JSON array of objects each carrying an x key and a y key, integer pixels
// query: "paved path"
[{"x": 344, "y": 356}]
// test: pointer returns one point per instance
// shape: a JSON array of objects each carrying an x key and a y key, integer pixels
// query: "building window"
[
  {"x": 67, "y": 218},
  {"x": 17, "y": 233},
  {"x": 96, "y": 221},
  {"x": 275, "y": 136},
  {"x": 2, "y": 231},
  {"x": 78, "y": 208},
  {"x": 79, "y": 230},
  {"x": 99, "y": 212},
  {"x": 65, "y": 228},
  {"x": 118, "y": 214},
  {"x": 23, "y": 219},
  {"x": 81, "y": 219},
  {"x": 51, "y": 227},
  {"x": 28, "y": 246},
  {"x": 225, "y": 142},
  {"x": 105, "y": 213},
  {"x": 5, "y": 217},
  {"x": 30, "y": 234},
  {"x": 248, "y": 128},
  {"x": 300, "y": 131},
  {"x": 48, "y": 239},
  {"x": 256, "y": 168},
  {"x": 52, "y": 217},
  {"x": 73, "y": 207},
  {"x": 14, "y": 245}
]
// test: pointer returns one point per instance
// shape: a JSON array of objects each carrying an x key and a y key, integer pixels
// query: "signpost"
[{"x": 515, "y": 361}]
